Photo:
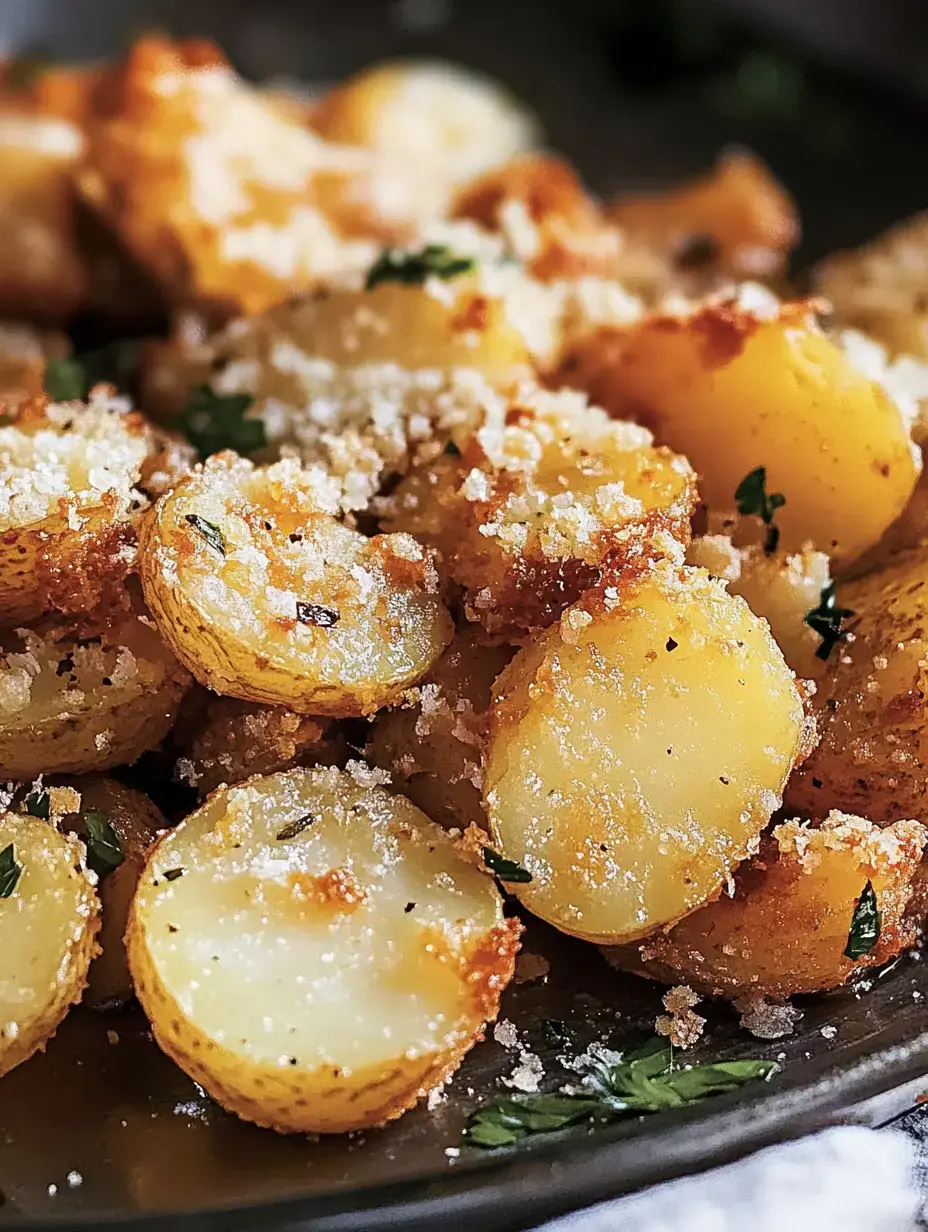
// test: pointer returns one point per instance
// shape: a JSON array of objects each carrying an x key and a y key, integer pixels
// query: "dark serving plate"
[{"x": 102, "y": 1127}]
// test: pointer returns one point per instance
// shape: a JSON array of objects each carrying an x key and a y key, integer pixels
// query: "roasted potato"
[
  {"x": 539, "y": 205},
  {"x": 432, "y": 744},
  {"x": 637, "y": 750},
  {"x": 451, "y": 120},
  {"x": 737, "y": 221},
  {"x": 221, "y": 740},
  {"x": 210, "y": 186},
  {"x": 781, "y": 587},
  {"x": 527, "y": 517},
  {"x": 49, "y": 917},
  {"x": 786, "y": 926},
  {"x": 67, "y": 495},
  {"x": 263, "y": 595},
  {"x": 117, "y": 826},
  {"x": 743, "y": 383},
  {"x": 84, "y": 694},
  {"x": 882, "y": 287},
  {"x": 319, "y": 883},
  {"x": 873, "y": 755}
]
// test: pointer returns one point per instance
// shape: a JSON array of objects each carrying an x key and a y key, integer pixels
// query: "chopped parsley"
[
  {"x": 104, "y": 846},
  {"x": 38, "y": 803},
  {"x": 752, "y": 499},
  {"x": 826, "y": 620},
  {"x": 210, "y": 532},
  {"x": 452, "y": 450},
  {"x": 647, "y": 1081},
  {"x": 213, "y": 422},
  {"x": 313, "y": 614},
  {"x": 866, "y": 922},
  {"x": 171, "y": 874},
  {"x": 69, "y": 380},
  {"x": 505, "y": 870},
  {"x": 295, "y": 827},
  {"x": 10, "y": 871},
  {"x": 413, "y": 268}
]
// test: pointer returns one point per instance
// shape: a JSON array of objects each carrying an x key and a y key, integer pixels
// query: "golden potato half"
[
  {"x": 637, "y": 750},
  {"x": 432, "y": 744},
  {"x": 785, "y": 928},
  {"x": 315, "y": 952},
  {"x": 873, "y": 755},
  {"x": 81, "y": 696},
  {"x": 117, "y": 825},
  {"x": 527, "y": 516},
  {"x": 266, "y": 597},
  {"x": 67, "y": 492},
  {"x": 49, "y": 916},
  {"x": 745, "y": 383}
]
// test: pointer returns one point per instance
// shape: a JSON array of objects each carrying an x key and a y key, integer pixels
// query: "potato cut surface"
[{"x": 315, "y": 952}]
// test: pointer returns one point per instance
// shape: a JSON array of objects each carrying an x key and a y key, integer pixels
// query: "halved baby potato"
[
  {"x": 528, "y": 512},
  {"x": 263, "y": 595},
  {"x": 49, "y": 917},
  {"x": 315, "y": 952},
  {"x": 117, "y": 824},
  {"x": 745, "y": 382},
  {"x": 637, "y": 750},
  {"x": 68, "y": 475},
  {"x": 785, "y": 928},
  {"x": 81, "y": 695}
]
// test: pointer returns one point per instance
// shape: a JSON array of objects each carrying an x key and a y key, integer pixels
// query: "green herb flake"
[
  {"x": 213, "y": 422},
  {"x": 10, "y": 871},
  {"x": 866, "y": 923},
  {"x": 104, "y": 846},
  {"x": 752, "y": 500},
  {"x": 505, "y": 870},
  {"x": 825, "y": 620},
  {"x": 452, "y": 450},
  {"x": 209, "y": 530},
  {"x": 295, "y": 827},
  {"x": 38, "y": 803},
  {"x": 645, "y": 1081},
  {"x": 413, "y": 268},
  {"x": 69, "y": 380},
  {"x": 171, "y": 874}
]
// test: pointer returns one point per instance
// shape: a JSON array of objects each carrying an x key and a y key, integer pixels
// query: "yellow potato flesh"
[
  {"x": 48, "y": 923},
  {"x": 733, "y": 392},
  {"x": 323, "y": 981},
  {"x": 631, "y": 767}
]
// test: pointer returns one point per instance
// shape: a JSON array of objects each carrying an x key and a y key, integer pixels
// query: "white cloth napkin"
[{"x": 847, "y": 1179}]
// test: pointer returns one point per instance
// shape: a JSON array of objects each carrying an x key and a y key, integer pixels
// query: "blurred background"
[{"x": 833, "y": 93}]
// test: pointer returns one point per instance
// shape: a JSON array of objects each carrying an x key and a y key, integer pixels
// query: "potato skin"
[
  {"x": 785, "y": 928},
  {"x": 117, "y": 698},
  {"x": 393, "y": 952},
  {"x": 232, "y": 616},
  {"x": 873, "y": 754},
  {"x": 637, "y": 750},
  {"x": 136, "y": 822},
  {"x": 432, "y": 744},
  {"x": 48, "y": 929},
  {"x": 734, "y": 388}
]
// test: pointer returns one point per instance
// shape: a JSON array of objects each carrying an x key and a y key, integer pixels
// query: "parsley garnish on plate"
[
  {"x": 209, "y": 530},
  {"x": 104, "y": 846},
  {"x": 866, "y": 923},
  {"x": 826, "y": 619},
  {"x": 413, "y": 268},
  {"x": 752, "y": 499},
  {"x": 212, "y": 422},
  {"x": 69, "y": 380},
  {"x": 38, "y": 803},
  {"x": 645, "y": 1081},
  {"x": 505, "y": 870},
  {"x": 10, "y": 871}
]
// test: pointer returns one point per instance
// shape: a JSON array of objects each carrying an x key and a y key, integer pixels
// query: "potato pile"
[{"x": 425, "y": 531}]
